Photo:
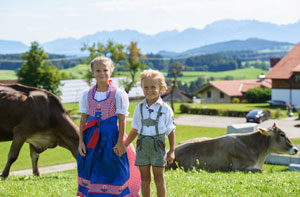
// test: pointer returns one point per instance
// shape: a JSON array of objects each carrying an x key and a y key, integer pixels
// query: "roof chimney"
[
  {"x": 274, "y": 61},
  {"x": 261, "y": 77}
]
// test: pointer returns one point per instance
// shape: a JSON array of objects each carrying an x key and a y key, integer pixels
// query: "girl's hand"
[
  {"x": 81, "y": 148},
  {"x": 170, "y": 156},
  {"x": 119, "y": 149}
]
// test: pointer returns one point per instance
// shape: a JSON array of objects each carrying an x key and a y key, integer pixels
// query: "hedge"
[{"x": 185, "y": 108}]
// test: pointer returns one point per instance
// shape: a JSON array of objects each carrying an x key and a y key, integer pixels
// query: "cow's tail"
[{"x": 171, "y": 166}]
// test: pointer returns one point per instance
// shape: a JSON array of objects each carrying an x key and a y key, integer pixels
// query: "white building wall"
[{"x": 286, "y": 95}]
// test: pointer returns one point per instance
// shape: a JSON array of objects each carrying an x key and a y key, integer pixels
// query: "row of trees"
[
  {"x": 38, "y": 73},
  {"x": 128, "y": 58}
]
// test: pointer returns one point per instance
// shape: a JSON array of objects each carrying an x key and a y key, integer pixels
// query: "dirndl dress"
[{"x": 101, "y": 172}]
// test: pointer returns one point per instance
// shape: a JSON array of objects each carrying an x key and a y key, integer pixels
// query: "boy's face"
[
  {"x": 101, "y": 72},
  {"x": 151, "y": 89}
]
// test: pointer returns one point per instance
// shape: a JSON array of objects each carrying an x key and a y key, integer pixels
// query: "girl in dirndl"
[{"x": 105, "y": 166}]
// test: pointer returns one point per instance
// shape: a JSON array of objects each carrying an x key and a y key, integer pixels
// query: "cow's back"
[
  {"x": 208, "y": 154},
  {"x": 27, "y": 105},
  {"x": 12, "y": 110}
]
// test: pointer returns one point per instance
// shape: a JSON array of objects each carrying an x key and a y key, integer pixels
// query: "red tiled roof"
[
  {"x": 238, "y": 87},
  {"x": 285, "y": 67},
  {"x": 296, "y": 69}
]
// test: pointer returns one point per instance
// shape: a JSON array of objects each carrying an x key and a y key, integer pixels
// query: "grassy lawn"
[
  {"x": 8, "y": 75},
  {"x": 274, "y": 181},
  {"x": 62, "y": 155},
  {"x": 78, "y": 71},
  {"x": 239, "y": 74}
]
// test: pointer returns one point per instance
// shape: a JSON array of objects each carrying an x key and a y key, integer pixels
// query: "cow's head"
[{"x": 279, "y": 142}]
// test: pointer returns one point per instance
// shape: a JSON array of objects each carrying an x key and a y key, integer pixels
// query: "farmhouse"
[
  {"x": 178, "y": 96},
  {"x": 285, "y": 76},
  {"x": 226, "y": 91}
]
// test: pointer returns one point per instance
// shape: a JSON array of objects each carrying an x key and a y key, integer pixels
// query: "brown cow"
[
  {"x": 242, "y": 152},
  {"x": 35, "y": 116}
]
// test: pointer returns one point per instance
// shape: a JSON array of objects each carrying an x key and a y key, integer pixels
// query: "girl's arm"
[
  {"x": 132, "y": 135},
  {"x": 119, "y": 148},
  {"x": 171, "y": 152},
  {"x": 81, "y": 148}
]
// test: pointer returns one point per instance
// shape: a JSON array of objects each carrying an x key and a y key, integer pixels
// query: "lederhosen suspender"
[{"x": 150, "y": 122}]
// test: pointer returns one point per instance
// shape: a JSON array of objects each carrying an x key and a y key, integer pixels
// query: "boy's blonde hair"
[
  {"x": 155, "y": 75},
  {"x": 102, "y": 60}
]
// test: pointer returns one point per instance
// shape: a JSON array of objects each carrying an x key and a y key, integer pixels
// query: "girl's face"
[
  {"x": 101, "y": 72},
  {"x": 151, "y": 89}
]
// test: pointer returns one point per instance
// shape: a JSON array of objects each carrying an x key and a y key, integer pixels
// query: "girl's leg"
[
  {"x": 158, "y": 173},
  {"x": 146, "y": 180}
]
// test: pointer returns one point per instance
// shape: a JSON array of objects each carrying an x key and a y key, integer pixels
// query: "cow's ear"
[
  {"x": 275, "y": 124},
  {"x": 264, "y": 131}
]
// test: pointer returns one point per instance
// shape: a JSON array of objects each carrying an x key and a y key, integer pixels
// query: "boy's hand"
[
  {"x": 81, "y": 148},
  {"x": 170, "y": 156},
  {"x": 119, "y": 149}
]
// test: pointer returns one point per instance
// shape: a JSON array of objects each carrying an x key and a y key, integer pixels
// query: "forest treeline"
[{"x": 222, "y": 61}]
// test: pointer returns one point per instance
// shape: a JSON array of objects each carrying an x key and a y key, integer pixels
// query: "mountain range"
[{"x": 175, "y": 41}]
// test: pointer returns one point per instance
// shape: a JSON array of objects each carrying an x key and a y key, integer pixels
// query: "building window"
[
  {"x": 221, "y": 95},
  {"x": 297, "y": 78},
  {"x": 208, "y": 94}
]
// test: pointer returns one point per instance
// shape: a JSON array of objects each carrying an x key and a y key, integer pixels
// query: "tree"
[
  {"x": 258, "y": 95},
  {"x": 134, "y": 65},
  {"x": 37, "y": 73},
  {"x": 112, "y": 50},
  {"x": 174, "y": 69}
]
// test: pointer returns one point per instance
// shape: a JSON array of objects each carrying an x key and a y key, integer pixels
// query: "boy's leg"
[
  {"x": 146, "y": 180},
  {"x": 158, "y": 173}
]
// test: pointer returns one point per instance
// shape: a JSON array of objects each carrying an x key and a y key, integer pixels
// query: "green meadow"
[
  {"x": 79, "y": 71},
  {"x": 274, "y": 181},
  {"x": 8, "y": 75}
]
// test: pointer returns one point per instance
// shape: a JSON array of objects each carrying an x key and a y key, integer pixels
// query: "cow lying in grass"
[
  {"x": 242, "y": 152},
  {"x": 35, "y": 116}
]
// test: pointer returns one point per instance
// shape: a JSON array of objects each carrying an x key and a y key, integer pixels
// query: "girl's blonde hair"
[
  {"x": 102, "y": 60},
  {"x": 155, "y": 75}
]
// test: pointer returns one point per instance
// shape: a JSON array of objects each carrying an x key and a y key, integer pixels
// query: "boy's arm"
[
  {"x": 171, "y": 152},
  {"x": 132, "y": 135}
]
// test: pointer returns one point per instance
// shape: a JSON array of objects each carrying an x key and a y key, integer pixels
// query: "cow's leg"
[
  {"x": 34, "y": 159},
  {"x": 251, "y": 169},
  {"x": 13, "y": 154}
]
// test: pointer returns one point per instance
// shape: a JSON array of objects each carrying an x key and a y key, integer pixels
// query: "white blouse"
[
  {"x": 166, "y": 122},
  {"x": 122, "y": 101}
]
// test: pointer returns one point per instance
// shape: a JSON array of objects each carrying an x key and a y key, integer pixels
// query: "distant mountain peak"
[{"x": 177, "y": 41}]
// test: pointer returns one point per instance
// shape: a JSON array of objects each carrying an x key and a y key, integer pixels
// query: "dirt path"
[{"x": 46, "y": 169}]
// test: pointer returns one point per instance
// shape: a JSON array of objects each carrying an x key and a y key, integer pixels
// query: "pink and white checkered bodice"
[{"x": 107, "y": 106}]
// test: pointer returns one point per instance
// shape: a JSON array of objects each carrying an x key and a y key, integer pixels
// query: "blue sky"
[{"x": 47, "y": 20}]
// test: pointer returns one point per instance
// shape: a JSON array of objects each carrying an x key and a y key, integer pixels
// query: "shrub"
[
  {"x": 235, "y": 100},
  {"x": 184, "y": 108},
  {"x": 258, "y": 95}
]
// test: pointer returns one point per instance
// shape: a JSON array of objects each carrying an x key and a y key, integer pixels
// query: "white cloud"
[{"x": 80, "y": 17}]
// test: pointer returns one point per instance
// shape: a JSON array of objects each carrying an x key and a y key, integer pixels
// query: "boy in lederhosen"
[{"x": 152, "y": 122}]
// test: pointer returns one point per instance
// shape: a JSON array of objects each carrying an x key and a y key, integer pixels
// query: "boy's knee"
[
  {"x": 146, "y": 179},
  {"x": 159, "y": 179}
]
